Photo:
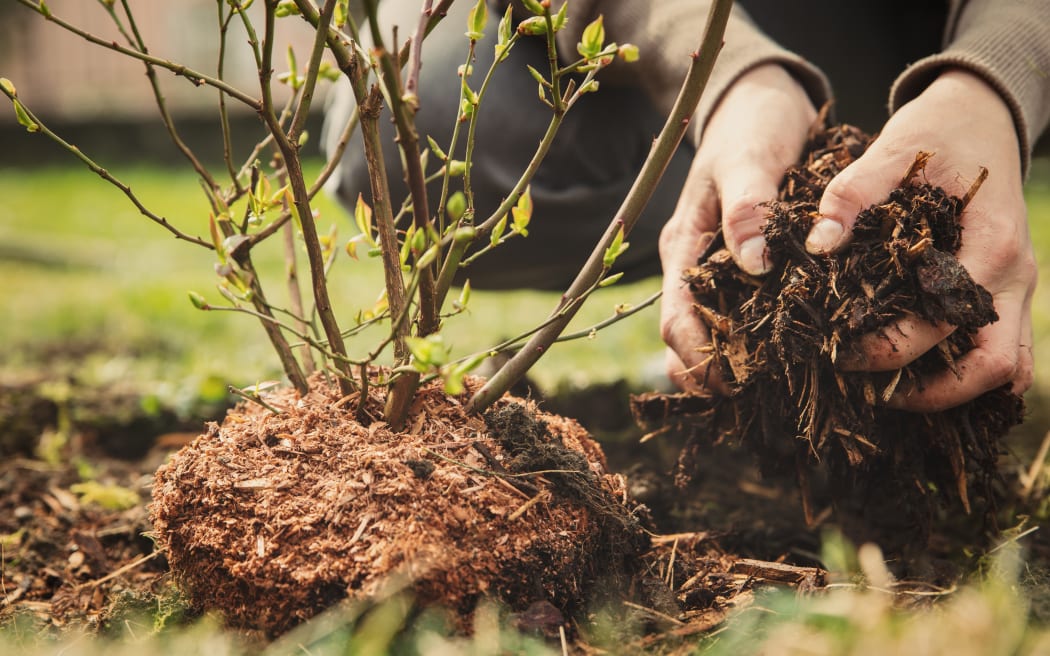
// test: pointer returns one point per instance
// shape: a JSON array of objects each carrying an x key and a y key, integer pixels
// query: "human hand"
[
  {"x": 966, "y": 124},
  {"x": 757, "y": 131}
]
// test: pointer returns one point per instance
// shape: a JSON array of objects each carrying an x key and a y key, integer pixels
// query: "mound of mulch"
[
  {"x": 271, "y": 518},
  {"x": 777, "y": 340}
]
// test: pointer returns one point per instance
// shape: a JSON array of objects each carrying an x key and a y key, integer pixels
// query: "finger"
[
  {"x": 996, "y": 360},
  {"x": 895, "y": 345},
  {"x": 865, "y": 182},
  {"x": 743, "y": 194}
]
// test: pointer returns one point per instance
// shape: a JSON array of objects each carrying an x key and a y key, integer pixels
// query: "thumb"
[{"x": 865, "y": 182}]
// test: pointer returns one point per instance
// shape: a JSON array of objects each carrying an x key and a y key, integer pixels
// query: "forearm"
[
  {"x": 667, "y": 33},
  {"x": 1007, "y": 44}
]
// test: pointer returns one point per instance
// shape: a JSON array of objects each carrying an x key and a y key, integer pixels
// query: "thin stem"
[
  {"x": 108, "y": 177},
  {"x": 158, "y": 96},
  {"x": 224, "y": 116},
  {"x": 408, "y": 142},
  {"x": 293, "y": 166},
  {"x": 196, "y": 77},
  {"x": 626, "y": 217}
]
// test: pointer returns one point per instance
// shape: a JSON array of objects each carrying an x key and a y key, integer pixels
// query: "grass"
[
  {"x": 82, "y": 266},
  {"x": 94, "y": 290}
]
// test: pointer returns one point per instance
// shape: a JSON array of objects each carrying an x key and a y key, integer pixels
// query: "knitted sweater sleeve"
[
  {"x": 667, "y": 32},
  {"x": 1007, "y": 43}
]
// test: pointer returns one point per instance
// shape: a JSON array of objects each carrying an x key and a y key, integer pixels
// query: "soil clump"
[{"x": 272, "y": 517}]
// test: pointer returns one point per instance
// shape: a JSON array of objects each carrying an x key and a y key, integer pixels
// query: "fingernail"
[
  {"x": 824, "y": 237},
  {"x": 753, "y": 256}
]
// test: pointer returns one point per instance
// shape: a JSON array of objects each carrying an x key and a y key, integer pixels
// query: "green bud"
[
  {"x": 534, "y": 6},
  {"x": 436, "y": 149},
  {"x": 198, "y": 301},
  {"x": 611, "y": 280},
  {"x": 533, "y": 26},
  {"x": 506, "y": 30},
  {"x": 44, "y": 10},
  {"x": 305, "y": 135},
  {"x": 536, "y": 75},
  {"x": 464, "y": 297},
  {"x": 464, "y": 235},
  {"x": 24, "y": 119},
  {"x": 327, "y": 71},
  {"x": 590, "y": 87},
  {"x": 457, "y": 168},
  {"x": 456, "y": 205},
  {"x": 286, "y": 8},
  {"x": 8, "y": 87},
  {"x": 428, "y": 258},
  {"x": 628, "y": 52}
]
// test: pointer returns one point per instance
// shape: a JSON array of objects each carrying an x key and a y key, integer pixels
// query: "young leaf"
[
  {"x": 286, "y": 8},
  {"x": 522, "y": 212},
  {"x": 497, "y": 231},
  {"x": 592, "y": 39},
  {"x": 341, "y": 14},
  {"x": 628, "y": 52},
  {"x": 23, "y": 117},
  {"x": 615, "y": 249},
  {"x": 8, "y": 87},
  {"x": 479, "y": 15},
  {"x": 464, "y": 297},
  {"x": 611, "y": 280},
  {"x": 363, "y": 218},
  {"x": 559, "y": 19},
  {"x": 504, "y": 34}
]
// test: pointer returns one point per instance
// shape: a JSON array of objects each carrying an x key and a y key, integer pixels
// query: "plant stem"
[
  {"x": 293, "y": 166},
  {"x": 626, "y": 217},
  {"x": 193, "y": 76}
]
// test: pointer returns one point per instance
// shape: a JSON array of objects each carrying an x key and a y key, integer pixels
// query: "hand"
[
  {"x": 966, "y": 124},
  {"x": 757, "y": 131}
]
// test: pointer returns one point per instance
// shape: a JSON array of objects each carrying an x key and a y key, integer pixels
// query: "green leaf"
[
  {"x": 476, "y": 21},
  {"x": 615, "y": 249},
  {"x": 498, "y": 230},
  {"x": 428, "y": 258},
  {"x": 506, "y": 31},
  {"x": 341, "y": 14},
  {"x": 24, "y": 119},
  {"x": 522, "y": 212},
  {"x": 110, "y": 497},
  {"x": 592, "y": 39},
  {"x": 611, "y": 280},
  {"x": 363, "y": 218},
  {"x": 464, "y": 296},
  {"x": 559, "y": 19},
  {"x": 8, "y": 87},
  {"x": 536, "y": 75}
]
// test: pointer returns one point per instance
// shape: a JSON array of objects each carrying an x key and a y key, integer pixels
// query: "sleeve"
[
  {"x": 667, "y": 32},
  {"x": 1008, "y": 44}
]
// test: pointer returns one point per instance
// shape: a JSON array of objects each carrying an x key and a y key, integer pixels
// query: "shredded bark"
[
  {"x": 777, "y": 341},
  {"x": 271, "y": 518}
]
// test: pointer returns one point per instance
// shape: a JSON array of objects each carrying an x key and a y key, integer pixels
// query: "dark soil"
[{"x": 892, "y": 476}]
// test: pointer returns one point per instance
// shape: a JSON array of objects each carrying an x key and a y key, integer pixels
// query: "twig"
[
  {"x": 193, "y": 76},
  {"x": 119, "y": 571},
  {"x": 1028, "y": 480},
  {"x": 659, "y": 156},
  {"x": 254, "y": 398}
]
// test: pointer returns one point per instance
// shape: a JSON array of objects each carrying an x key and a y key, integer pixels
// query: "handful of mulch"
[{"x": 776, "y": 340}]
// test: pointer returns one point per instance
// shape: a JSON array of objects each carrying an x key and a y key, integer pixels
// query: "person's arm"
[
  {"x": 983, "y": 101},
  {"x": 667, "y": 33}
]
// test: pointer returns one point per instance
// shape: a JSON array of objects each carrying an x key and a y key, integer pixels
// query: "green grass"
[{"x": 82, "y": 266}]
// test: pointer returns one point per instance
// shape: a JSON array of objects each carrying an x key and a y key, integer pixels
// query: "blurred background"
[{"x": 96, "y": 293}]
